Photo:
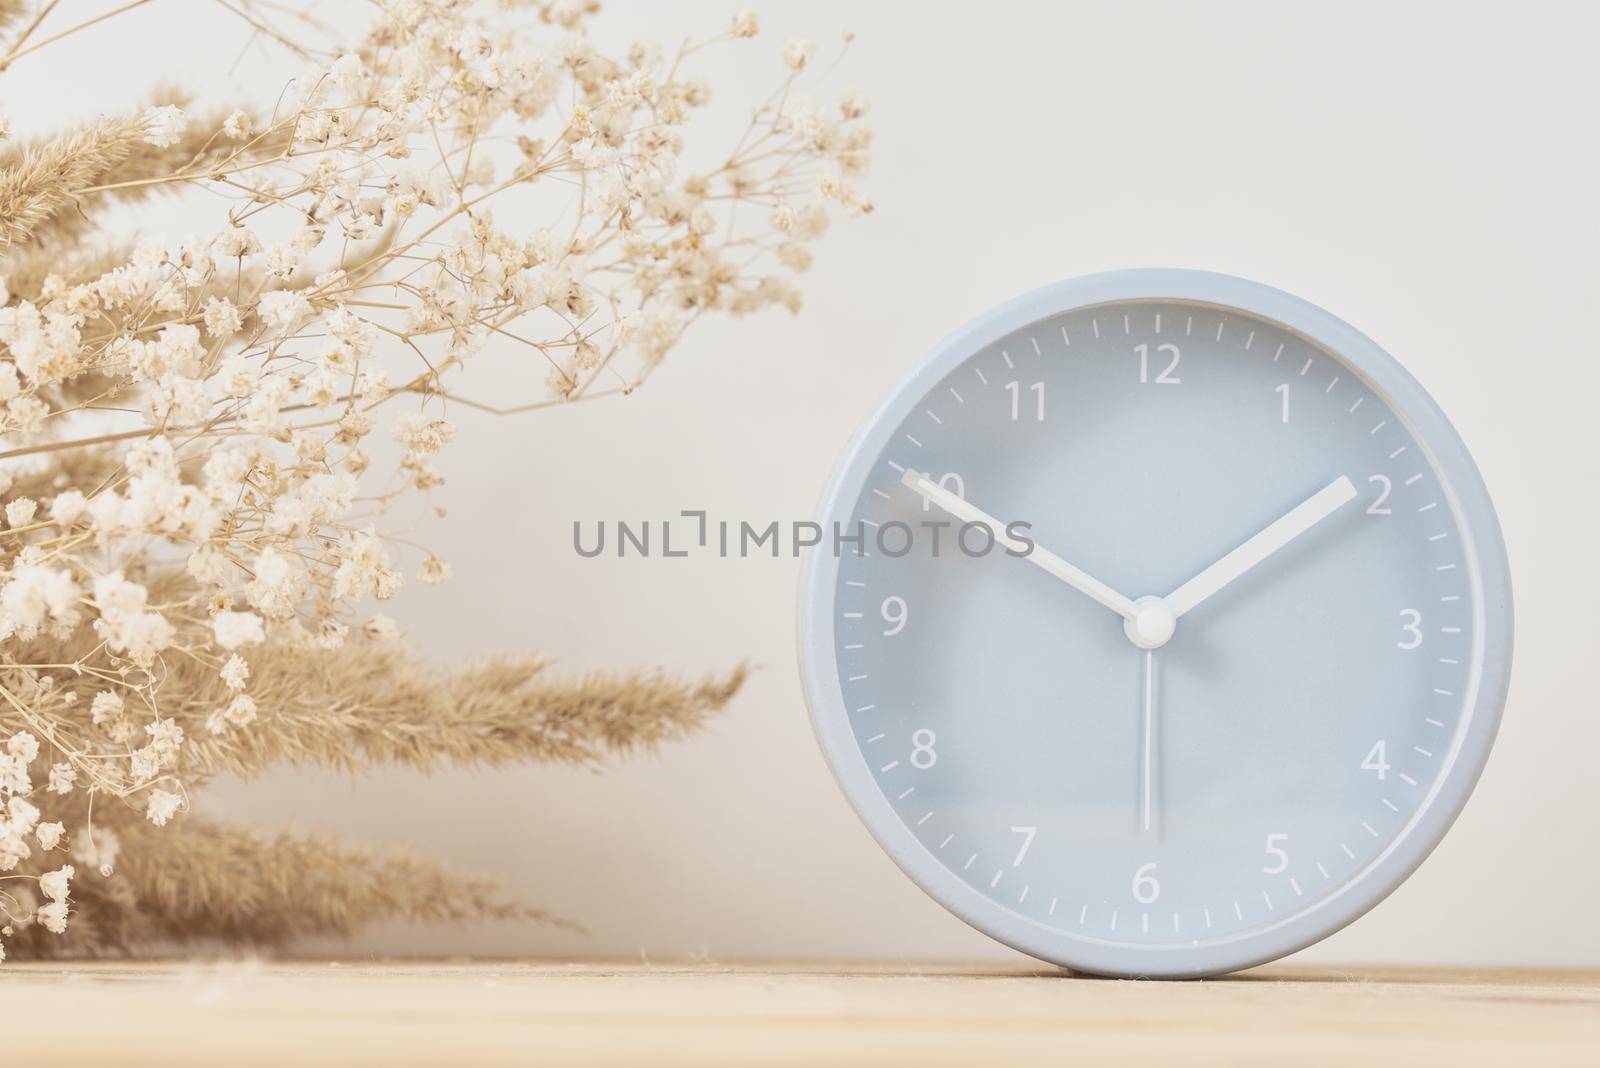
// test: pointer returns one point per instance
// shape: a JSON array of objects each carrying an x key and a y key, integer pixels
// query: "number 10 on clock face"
[{"x": 1180, "y": 630}]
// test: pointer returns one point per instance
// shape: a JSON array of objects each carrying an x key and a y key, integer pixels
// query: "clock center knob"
[{"x": 1152, "y": 623}]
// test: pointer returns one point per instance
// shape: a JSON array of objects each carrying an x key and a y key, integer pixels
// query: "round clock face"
[{"x": 1177, "y": 629}]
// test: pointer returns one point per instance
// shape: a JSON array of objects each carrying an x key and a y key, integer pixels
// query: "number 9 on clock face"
[{"x": 1162, "y": 625}]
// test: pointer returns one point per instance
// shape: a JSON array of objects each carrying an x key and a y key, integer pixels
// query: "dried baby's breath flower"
[{"x": 164, "y": 125}]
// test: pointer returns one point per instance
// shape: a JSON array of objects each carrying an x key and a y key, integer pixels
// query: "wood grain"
[{"x": 800, "y": 1014}]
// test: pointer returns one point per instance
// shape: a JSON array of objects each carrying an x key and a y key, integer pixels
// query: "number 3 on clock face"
[{"x": 1179, "y": 631}]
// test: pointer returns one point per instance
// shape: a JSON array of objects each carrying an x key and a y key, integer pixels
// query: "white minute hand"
[
  {"x": 1081, "y": 581},
  {"x": 1301, "y": 518}
]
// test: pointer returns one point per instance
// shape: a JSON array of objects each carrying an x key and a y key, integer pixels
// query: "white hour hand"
[
  {"x": 1297, "y": 521},
  {"x": 1079, "y": 580}
]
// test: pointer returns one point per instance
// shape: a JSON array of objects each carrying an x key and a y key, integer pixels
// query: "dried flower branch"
[{"x": 191, "y": 533}]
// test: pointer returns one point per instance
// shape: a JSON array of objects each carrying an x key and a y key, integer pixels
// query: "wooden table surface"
[{"x": 802, "y": 1014}]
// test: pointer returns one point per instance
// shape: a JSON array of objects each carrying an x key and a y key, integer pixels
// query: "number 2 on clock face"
[{"x": 1188, "y": 729}]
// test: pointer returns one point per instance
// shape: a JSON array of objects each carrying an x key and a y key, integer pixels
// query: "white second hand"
[{"x": 1147, "y": 799}]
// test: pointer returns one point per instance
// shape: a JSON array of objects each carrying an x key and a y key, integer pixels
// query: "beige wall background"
[{"x": 1428, "y": 171}]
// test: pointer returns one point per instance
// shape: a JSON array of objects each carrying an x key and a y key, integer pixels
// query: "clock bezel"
[{"x": 1487, "y": 566}]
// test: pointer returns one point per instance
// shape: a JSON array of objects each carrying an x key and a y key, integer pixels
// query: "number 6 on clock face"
[{"x": 1238, "y": 677}]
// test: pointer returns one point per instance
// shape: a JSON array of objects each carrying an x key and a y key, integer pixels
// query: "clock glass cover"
[{"x": 1177, "y": 629}]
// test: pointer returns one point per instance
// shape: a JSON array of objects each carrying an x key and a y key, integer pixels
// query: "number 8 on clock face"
[{"x": 1177, "y": 630}]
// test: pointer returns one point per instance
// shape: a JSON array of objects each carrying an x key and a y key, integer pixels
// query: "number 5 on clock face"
[{"x": 1235, "y": 653}]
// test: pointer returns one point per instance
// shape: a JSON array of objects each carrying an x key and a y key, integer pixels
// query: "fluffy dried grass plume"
[
  {"x": 193, "y": 519},
  {"x": 199, "y": 884},
  {"x": 352, "y": 708}
]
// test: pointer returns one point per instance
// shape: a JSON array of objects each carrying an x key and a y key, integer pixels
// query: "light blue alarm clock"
[{"x": 1162, "y": 625}]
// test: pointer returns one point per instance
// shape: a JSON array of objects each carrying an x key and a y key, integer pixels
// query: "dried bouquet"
[{"x": 193, "y": 518}]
